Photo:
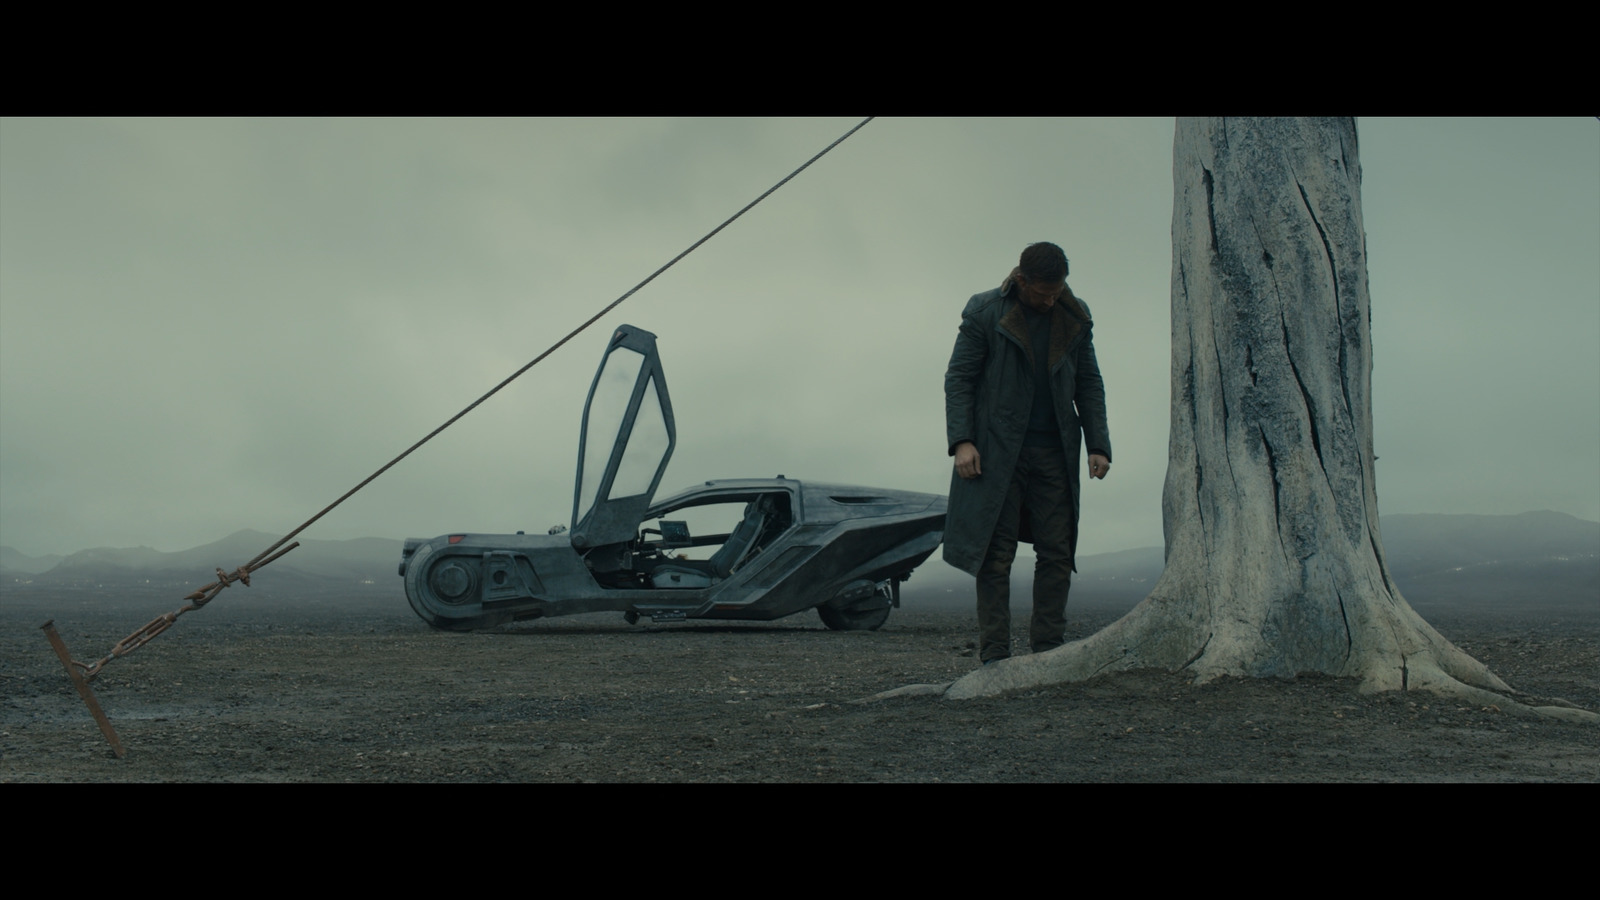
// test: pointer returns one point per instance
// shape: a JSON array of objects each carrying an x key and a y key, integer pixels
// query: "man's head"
[{"x": 1041, "y": 275}]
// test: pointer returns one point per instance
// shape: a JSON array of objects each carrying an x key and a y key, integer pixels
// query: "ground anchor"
[
  {"x": 83, "y": 673},
  {"x": 82, "y": 684}
]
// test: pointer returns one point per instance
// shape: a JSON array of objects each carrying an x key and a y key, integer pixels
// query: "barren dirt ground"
[{"x": 361, "y": 690}]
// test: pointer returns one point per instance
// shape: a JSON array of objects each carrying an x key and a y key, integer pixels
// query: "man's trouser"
[{"x": 1041, "y": 484}]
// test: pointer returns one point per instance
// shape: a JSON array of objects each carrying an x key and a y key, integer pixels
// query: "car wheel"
[
  {"x": 853, "y": 619},
  {"x": 436, "y": 611}
]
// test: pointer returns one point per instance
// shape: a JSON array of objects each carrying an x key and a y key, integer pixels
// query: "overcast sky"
[{"x": 209, "y": 325}]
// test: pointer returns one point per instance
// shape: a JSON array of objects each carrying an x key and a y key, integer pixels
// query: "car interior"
[{"x": 765, "y": 518}]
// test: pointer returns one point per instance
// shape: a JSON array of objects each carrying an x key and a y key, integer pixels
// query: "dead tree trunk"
[{"x": 1274, "y": 561}]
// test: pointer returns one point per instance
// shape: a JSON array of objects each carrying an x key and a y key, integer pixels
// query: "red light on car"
[{"x": 456, "y": 538}]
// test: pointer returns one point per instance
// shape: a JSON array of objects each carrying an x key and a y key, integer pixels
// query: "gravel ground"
[{"x": 344, "y": 690}]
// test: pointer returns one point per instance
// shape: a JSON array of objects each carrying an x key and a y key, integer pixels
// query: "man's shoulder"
[{"x": 989, "y": 301}]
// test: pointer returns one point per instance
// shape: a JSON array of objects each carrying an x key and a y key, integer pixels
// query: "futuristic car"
[{"x": 759, "y": 548}]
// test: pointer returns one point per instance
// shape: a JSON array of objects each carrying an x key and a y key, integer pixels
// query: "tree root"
[
  {"x": 909, "y": 690},
  {"x": 1436, "y": 680},
  {"x": 1113, "y": 648},
  {"x": 1157, "y": 635}
]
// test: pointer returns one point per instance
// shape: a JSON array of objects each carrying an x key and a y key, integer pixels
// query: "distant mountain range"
[
  {"x": 353, "y": 562},
  {"x": 13, "y": 561},
  {"x": 1522, "y": 560}
]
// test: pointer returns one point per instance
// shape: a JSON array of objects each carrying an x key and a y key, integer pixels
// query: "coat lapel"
[
  {"x": 1067, "y": 321},
  {"x": 1014, "y": 326}
]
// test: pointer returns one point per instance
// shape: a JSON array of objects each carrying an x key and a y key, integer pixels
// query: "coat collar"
[{"x": 1068, "y": 319}]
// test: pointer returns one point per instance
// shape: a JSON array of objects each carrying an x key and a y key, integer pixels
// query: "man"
[{"x": 1022, "y": 394}]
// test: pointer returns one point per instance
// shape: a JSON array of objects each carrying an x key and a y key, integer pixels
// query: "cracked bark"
[{"x": 1278, "y": 569}]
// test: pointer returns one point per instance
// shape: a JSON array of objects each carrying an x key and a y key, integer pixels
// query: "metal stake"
[{"x": 82, "y": 684}]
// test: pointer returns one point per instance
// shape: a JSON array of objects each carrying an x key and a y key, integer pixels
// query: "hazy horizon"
[{"x": 273, "y": 536}]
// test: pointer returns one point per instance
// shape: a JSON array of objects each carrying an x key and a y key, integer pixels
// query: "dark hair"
[{"x": 1044, "y": 262}]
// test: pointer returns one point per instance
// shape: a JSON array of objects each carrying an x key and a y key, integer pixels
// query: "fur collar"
[{"x": 1068, "y": 319}]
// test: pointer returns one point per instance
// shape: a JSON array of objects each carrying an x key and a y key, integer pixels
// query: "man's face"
[{"x": 1040, "y": 295}]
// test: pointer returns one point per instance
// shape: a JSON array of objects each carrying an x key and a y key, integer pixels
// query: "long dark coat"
[{"x": 988, "y": 391}]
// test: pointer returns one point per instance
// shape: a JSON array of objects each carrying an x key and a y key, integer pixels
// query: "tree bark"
[{"x": 1274, "y": 562}]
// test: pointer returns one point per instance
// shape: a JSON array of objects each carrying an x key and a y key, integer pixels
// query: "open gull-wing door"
[{"x": 627, "y": 437}]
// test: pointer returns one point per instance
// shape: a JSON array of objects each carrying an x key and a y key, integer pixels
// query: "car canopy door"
[{"x": 627, "y": 438}]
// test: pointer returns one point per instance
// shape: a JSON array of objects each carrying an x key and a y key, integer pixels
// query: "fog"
[{"x": 209, "y": 325}]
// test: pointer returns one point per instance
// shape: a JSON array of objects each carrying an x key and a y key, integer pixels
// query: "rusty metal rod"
[{"x": 84, "y": 691}]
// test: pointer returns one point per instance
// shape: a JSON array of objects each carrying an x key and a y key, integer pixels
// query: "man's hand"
[
  {"x": 967, "y": 460},
  {"x": 1098, "y": 465}
]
